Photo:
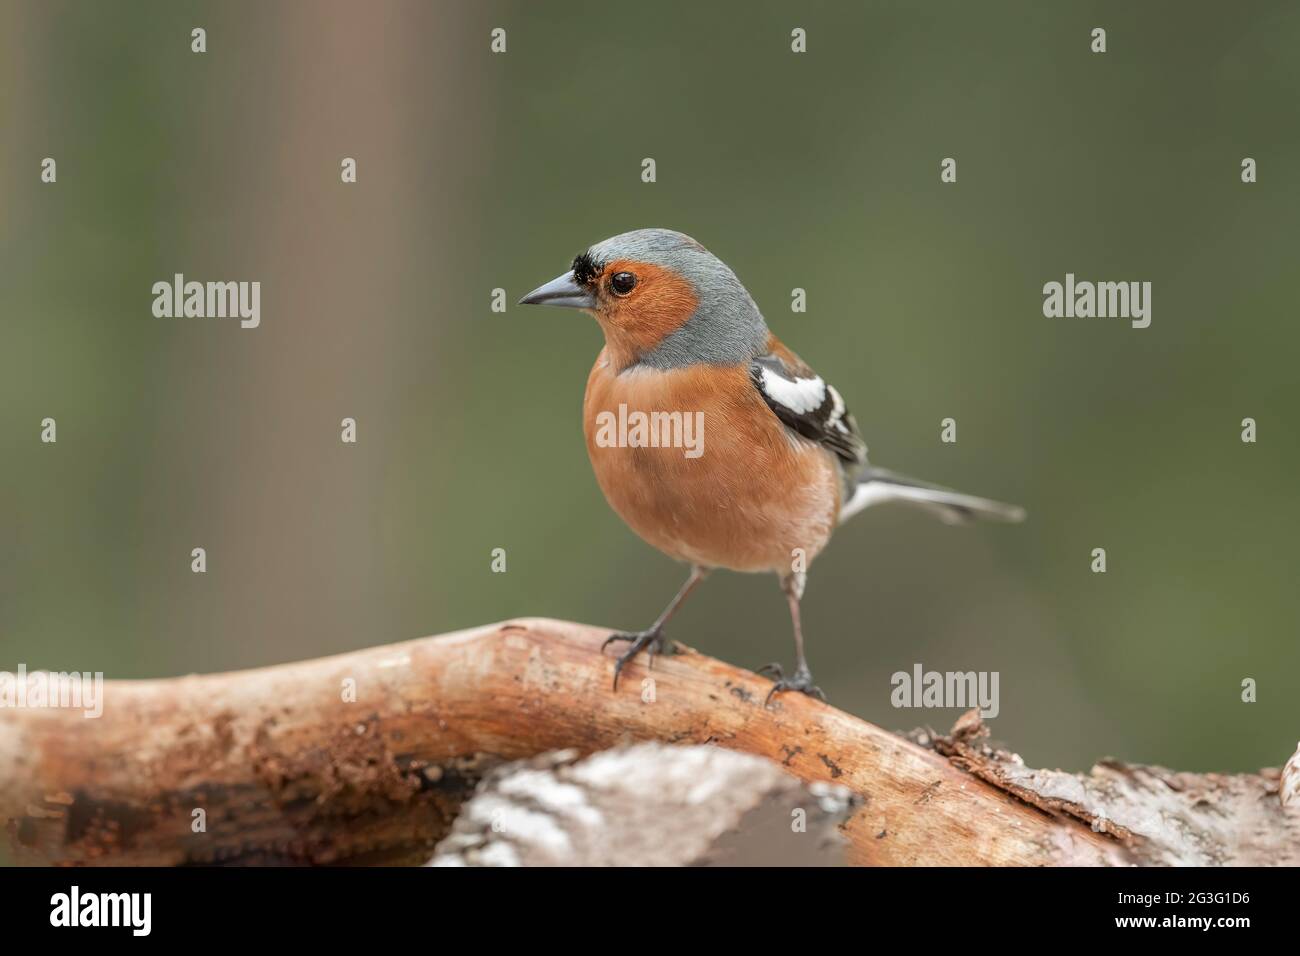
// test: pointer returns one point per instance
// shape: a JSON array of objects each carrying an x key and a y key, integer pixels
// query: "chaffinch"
[{"x": 709, "y": 437}]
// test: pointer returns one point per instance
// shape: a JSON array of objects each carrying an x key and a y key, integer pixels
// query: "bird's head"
[{"x": 662, "y": 299}]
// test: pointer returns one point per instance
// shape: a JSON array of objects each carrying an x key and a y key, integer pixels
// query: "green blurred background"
[{"x": 819, "y": 171}]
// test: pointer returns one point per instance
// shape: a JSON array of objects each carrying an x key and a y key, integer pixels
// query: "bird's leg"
[
  {"x": 801, "y": 680},
  {"x": 652, "y": 639}
]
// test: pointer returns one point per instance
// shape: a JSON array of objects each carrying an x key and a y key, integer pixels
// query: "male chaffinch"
[{"x": 783, "y": 463}]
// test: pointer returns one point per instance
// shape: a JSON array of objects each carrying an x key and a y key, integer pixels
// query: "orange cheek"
[{"x": 660, "y": 305}]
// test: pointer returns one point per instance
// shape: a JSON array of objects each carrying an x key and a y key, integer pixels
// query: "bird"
[{"x": 781, "y": 463}]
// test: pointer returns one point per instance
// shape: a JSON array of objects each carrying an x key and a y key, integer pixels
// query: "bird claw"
[
  {"x": 800, "y": 681},
  {"x": 652, "y": 641}
]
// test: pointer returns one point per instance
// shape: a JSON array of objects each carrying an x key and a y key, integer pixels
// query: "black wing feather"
[{"x": 829, "y": 424}]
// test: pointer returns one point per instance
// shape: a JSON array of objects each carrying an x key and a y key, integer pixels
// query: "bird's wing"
[
  {"x": 808, "y": 405},
  {"x": 811, "y": 407}
]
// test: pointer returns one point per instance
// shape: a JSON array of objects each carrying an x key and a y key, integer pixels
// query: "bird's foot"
[
  {"x": 652, "y": 641},
  {"x": 801, "y": 680}
]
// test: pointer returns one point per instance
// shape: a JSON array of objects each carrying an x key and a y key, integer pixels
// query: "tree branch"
[{"x": 285, "y": 769}]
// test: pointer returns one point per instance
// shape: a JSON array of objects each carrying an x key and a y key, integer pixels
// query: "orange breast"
[{"x": 728, "y": 485}]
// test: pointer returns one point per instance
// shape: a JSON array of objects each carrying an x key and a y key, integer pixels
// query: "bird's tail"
[{"x": 878, "y": 486}]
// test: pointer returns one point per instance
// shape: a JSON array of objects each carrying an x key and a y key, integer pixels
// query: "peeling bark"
[
  {"x": 648, "y": 805},
  {"x": 1162, "y": 817}
]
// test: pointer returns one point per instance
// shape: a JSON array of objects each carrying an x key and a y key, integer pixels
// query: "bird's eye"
[{"x": 621, "y": 283}]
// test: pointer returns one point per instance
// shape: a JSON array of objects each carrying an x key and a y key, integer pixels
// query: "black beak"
[{"x": 564, "y": 291}]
